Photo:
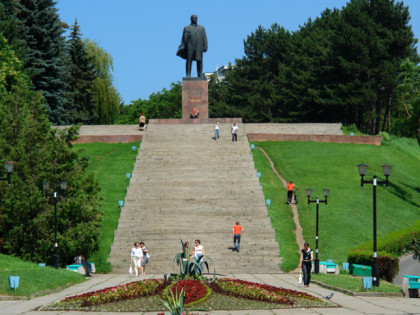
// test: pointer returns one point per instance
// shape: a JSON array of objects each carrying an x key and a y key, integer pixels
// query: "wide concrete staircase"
[{"x": 187, "y": 186}]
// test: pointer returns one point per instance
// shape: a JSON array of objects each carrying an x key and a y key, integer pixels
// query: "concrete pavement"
[{"x": 345, "y": 304}]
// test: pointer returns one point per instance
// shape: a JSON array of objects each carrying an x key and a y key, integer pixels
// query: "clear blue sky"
[{"x": 143, "y": 36}]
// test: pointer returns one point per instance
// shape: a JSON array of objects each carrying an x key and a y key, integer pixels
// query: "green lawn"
[
  {"x": 109, "y": 162},
  {"x": 32, "y": 278},
  {"x": 347, "y": 219},
  {"x": 280, "y": 213},
  {"x": 354, "y": 284}
]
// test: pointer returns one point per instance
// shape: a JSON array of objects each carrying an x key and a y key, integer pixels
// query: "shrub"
[
  {"x": 388, "y": 263},
  {"x": 394, "y": 242}
]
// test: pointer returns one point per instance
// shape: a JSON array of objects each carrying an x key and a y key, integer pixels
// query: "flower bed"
[
  {"x": 257, "y": 291},
  {"x": 195, "y": 290},
  {"x": 221, "y": 294},
  {"x": 117, "y": 293}
]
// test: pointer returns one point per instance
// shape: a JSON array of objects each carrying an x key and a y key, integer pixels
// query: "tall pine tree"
[
  {"x": 82, "y": 76},
  {"x": 45, "y": 58}
]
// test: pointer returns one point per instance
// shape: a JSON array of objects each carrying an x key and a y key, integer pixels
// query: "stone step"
[{"x": 186, "y": 184}]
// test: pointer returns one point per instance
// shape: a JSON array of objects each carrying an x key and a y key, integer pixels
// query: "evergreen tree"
[
  {"x": 106, "y": 97},
  {"x": 40, "y": 153},
  {"x": 9, "y": 27},
  {"x": 82, "y": 76},
  {"x": 45, "y": 59}
]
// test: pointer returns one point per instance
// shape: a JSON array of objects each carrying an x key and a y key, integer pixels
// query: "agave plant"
[
  {"x": 175, "y": 304},
  {"x": 190, "y": 267}
]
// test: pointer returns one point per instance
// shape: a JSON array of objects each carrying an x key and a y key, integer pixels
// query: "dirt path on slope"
[{"x": 298, "y": 231}]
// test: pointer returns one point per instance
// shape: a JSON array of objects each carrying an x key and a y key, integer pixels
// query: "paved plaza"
[{"x": 345, "y": 304}]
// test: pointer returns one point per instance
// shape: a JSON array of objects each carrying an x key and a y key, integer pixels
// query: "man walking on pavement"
[
  {"x": 236, "y": 235},
  {"x": 291, "y": 192}
]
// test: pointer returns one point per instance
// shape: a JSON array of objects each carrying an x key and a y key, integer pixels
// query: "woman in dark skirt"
[{"x": 306, "y": 257}]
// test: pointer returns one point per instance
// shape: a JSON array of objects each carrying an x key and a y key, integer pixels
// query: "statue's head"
[{"x": 194, "y": 19}]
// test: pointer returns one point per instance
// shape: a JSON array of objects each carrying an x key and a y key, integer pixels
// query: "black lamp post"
[
  {"x": 9, "y": 169},
  {"x": 362, "y": 172},
  {"x": 53, "y": 199},
  {"x": 317, "y": 201}
]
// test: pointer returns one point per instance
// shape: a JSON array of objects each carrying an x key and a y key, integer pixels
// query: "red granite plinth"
[{"x": 195, "y": 92}]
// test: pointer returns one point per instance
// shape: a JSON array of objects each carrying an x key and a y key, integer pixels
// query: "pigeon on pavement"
[{"x": 329, "y": 296}]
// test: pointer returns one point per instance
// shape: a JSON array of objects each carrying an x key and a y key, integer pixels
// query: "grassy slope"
[
  {"x": 32, "y": 278},
  {"x": 109, "y": 162},
  {"x": 280, "y": 213},
  {"x": 347, "y": 220}
]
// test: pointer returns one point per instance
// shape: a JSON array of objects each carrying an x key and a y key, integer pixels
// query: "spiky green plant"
[{"x": 190, "y": 266}]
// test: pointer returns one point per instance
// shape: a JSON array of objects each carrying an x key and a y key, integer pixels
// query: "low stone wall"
[
  {"x": 375, "y": 140},
  {"x": 194, "y": 121},
  {"x": 109, "y": 138}
]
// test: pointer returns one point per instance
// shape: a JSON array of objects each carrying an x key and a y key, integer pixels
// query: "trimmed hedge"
[
  {"x": 394, "y": 242},
  {"x": 388, "y": 263}
]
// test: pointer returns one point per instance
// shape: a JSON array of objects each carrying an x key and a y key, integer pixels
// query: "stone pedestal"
[{"x": 195, "y": 92}]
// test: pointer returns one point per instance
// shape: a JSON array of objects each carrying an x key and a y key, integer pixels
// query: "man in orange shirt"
[
  {"x": 290, "y": 192},
  {"x": 236, "y": 235}
]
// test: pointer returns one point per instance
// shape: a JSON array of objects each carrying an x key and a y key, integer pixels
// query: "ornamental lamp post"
[
  {"x": 325, "y": 192},
  {"x": 9, "y": 169},
  {"x": 53, "y": 200},
  {"x": 362, "y": 172}
]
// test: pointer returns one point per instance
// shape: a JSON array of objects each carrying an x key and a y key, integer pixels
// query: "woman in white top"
[
  {"x": 198, "y": 250},
  {"x": 216, "y": 130},
  {"x": 144, "y": 259},
  {"x": 136, "y": 256}
]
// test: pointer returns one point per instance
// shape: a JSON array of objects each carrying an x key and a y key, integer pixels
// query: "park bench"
[
  {"x": 79, "y": 268},
  {"x": 328, "y": 267},
  {"x": 413, "y": 285}
]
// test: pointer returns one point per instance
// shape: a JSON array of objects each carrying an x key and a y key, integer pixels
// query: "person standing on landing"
[
  {"x": 291, "y": 192},
  {"x": 236, "y": 235},
  {"x": 216, "y": 130},
  {"x": 234, "y": 132},
  {"x": 306, "y": 257}
]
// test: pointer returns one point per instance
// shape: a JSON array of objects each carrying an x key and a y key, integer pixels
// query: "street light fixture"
[
  {"x": 53, "y": 200},
  {"x": 362, "y": 172},
  {"x": 325, "y": 192},
  {"x": 9, "y": 169}
]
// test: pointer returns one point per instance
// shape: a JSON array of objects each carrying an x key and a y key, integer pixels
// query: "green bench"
[
  {"x": 413, "y": 286},
  {"x": 360, "y": 270}
]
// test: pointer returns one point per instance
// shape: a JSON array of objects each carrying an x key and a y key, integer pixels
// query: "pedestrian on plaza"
[
  {"x": 234, "y": 132},
  {"x": 216, "y": 130},
  {"x": 135, "y": 260},
  {"x": 186, "y": 254},
  {"x": 144, "y": 258},
  {"x": 306, "y": 257},
  {"x": 142, "y": 121},
  {"x": 236, "y": 235},
  {"x": 82, "y": 260},
  {"x": 198, "y": 251},
  {"x": 291, "y": 192}
]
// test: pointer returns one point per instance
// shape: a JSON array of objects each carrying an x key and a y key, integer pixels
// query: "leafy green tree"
[
  {"x": 408, "y": 92},
  {"x": 372, "y": 39},
  {"x": 41, "y": 153},
  {"x": 163, "y": 104},
  {"x": 82, "y": 76},
  {"x": 106, "y": 97},
  {"x": 45, "y": 60}
]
